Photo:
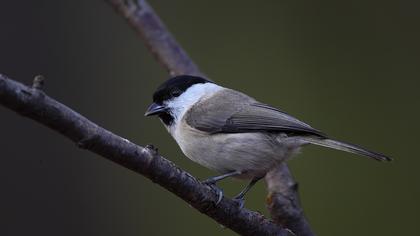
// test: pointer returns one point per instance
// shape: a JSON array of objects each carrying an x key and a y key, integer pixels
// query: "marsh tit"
[{"x": 232, "y": 133}]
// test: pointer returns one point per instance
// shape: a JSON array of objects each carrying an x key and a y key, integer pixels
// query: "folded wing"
[{"x": 234, "y": 112}]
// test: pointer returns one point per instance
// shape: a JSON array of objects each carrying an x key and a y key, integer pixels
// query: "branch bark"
[
  {"x": 31, "y": 102},
  {"x": 283, "y": 198},
  {"x": 283, "y": 201},
  {"x": 143, "y": 19}
]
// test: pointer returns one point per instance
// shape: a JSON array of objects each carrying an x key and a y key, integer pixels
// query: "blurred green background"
[{"x": 348, "y": 68}]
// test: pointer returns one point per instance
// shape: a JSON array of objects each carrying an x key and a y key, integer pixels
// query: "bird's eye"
[{"x": 175, "y": 93}]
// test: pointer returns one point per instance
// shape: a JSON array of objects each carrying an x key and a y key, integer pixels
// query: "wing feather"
[{"x": 234, "y": 112}]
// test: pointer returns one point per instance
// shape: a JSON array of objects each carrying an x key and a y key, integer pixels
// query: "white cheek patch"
[{"x": 179, "y": 105}]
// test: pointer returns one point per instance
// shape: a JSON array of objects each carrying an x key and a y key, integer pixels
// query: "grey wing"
[{"x": 234, "y": 112}]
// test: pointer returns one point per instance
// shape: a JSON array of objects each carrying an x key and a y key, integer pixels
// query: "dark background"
[{"x": 349, "y": 68}]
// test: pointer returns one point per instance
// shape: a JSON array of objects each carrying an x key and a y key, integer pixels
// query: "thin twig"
[
  {"x": 283, "y": 202},
  {"x": 33, "y": 103}
]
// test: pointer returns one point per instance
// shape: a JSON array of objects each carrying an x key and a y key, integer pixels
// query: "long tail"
[{"x": 347, "y": 147}]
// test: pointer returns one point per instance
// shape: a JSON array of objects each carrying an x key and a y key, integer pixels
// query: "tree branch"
[
  {"x": 141, "y": 16},
  {"x": 283, "y": 201},
  {"x": 283, "y": 198},
  {"x": 31, "y": 102}
]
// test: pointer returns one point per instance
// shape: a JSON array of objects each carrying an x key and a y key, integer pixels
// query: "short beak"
[{"x": 155, "y": 109}]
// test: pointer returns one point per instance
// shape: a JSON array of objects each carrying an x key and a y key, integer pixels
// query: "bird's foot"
[
  {"x": 212, "y": 184},
  {"x": 240, "y": 200}
]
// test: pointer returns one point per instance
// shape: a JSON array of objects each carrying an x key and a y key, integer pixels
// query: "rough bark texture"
[
  {"x": 31, "y": 102},
  {"x": 283, "y": 201},
  {"x": 283, "y": 198}
]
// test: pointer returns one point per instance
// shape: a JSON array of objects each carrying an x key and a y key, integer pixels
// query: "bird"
[{"x": 232, "y": 133}]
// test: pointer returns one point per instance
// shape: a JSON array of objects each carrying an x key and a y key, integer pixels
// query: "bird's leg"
[
  {"x": 213, "y": 180},
  {"x": 240, "y": 198}
]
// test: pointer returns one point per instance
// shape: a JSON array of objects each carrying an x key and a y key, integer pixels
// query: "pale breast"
[{"x": 254, "y": 153}]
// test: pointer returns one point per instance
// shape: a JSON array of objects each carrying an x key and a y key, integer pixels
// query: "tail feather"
[{"x": 347, "y": 147}]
